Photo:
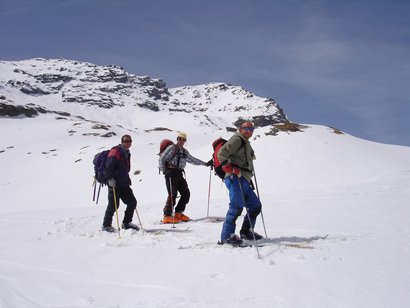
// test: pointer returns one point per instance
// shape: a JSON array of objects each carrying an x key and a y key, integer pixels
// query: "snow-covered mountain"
[
  {"x": 40, "y": 85},
  {"x": 313, "y": 180}
]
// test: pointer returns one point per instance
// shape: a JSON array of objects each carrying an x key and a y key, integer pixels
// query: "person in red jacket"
[{"x": 117, "y": 171}]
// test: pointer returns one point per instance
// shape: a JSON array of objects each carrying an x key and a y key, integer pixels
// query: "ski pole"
[
  {"x": 116, "y": 211},
  {"x": 172, "y": 203},
  {"x": 95, "y": 189},
  {"x": 139, "y": 218},
  {"x": 98, "y": 195},
  {"x": 209, "y": 191},
  {"x": 249, "y": 217},
  {"x": 257, "y": 190}
]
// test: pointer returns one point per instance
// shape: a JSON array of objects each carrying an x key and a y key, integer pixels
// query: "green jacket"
[{"x": 239, "y": 153}]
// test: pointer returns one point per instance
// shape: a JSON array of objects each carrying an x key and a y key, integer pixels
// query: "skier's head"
[
  {"x": 246, "y": 129},
  {"x": 126, "y": 141},
  {"x": 181, "y": 139}
]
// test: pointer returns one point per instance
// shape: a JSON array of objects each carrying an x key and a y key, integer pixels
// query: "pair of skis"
[
  {"x": 287, "y": 242},
  {"x": 209, "y": 219},
  {"x": 295, "y": 242},
  {"x": 156, "y": 231},
  {"x": 159, "y": 231}
]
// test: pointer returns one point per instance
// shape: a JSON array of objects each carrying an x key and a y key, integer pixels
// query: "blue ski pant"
[{"x": 237, "y": 204}]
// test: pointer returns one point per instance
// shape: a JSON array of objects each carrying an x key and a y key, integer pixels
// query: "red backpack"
[
  {"x": 217, "y": 144},
  {"x": 165, "y": 143}
]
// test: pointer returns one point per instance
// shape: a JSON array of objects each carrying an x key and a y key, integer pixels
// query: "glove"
[
  {"x": 111, "y": 182},
  {"x": 237, "y": 171},
  {"x": 228, "y": 168},
  {"x": 210, "y": 163}
]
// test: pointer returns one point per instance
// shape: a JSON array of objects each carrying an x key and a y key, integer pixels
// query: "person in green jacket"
[{"x": 236, "y": 157}]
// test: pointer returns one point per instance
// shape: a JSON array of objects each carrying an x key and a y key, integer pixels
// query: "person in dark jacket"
[
  {"x": 236, "y": 157},
  {"x": 117, "y": 171},
  {"x": 172, "y": 163}
]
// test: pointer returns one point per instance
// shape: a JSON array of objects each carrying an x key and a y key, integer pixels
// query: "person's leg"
[
  {"x": 185, "y": 195},
  {"x": 253, "y": 206},
  {"x": 235, "y": 207},
  {"x": 170, "y": 181},
  {"x": 109, "y": 212},
  {"x": 128, "y": 198}
]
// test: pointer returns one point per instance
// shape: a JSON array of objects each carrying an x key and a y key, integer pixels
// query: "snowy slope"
[{"x": 314, "y": 182}]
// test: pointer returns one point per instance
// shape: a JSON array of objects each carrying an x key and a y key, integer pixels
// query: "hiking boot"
[
  {"x": 182, "y": 217},
  {"x": 130, "y": 225},
  {"x": 107, "y": 229},
  {"x": 234, "y": 240},
  {"x": 170, "y": 220},
  {"x": 249, "y": 236}
]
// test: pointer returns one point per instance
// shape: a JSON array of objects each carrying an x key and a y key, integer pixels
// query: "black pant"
[
  {"x": 179, "y": 184},
  {"x": 127, "y": 197}
]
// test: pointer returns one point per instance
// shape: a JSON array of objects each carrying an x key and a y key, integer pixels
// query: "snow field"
[{"x": 311, "y": 183}]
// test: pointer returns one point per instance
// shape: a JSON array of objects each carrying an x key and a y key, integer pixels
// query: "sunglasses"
[
  {"x": 179, "y": 138},
  {"x": 249, "y": 128},
  {"x": 127, "y": 141}
]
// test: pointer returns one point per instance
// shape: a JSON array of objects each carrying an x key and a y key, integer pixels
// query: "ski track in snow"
[{"x": 314, "y": 183}]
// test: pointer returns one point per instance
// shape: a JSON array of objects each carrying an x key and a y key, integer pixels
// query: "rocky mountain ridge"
[{"x": 39, "y": 85}]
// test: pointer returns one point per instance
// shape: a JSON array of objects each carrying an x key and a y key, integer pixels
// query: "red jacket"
[{"x": 118, "y": 166}]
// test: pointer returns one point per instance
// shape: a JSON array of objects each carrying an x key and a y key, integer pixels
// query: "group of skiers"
[{"x": 236, "y": 157}]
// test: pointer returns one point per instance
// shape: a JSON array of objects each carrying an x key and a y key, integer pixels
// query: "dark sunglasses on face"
[
  {"x": 249, "y": 128},
  {"x": 179, "y": 138},
  {"x": 127, "y": 141}
]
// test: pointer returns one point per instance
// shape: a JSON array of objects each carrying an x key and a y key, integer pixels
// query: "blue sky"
[{"x": 344, "y": 64}]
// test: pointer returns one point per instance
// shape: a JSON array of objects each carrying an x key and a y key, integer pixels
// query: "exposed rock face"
[
  {"x": 13, "y": 111},
  {"x": 227, "y": 100},
  {"x": 107, "y": 87}
]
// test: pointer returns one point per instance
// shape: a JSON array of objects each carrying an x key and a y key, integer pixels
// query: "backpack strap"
[
  {"x": 243, "y": 144},
  {"x": 177, "y": 150},
  {"x": 167, "y": 165}
]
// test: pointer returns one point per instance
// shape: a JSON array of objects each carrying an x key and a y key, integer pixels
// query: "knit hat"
[{"x": 182, "y": 135}]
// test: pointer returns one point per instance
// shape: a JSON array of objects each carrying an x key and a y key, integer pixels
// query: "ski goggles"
[{"x": 249, "y": 128}]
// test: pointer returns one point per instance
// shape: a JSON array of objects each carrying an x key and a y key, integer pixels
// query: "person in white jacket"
[{"x": 172, "y": 163}]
